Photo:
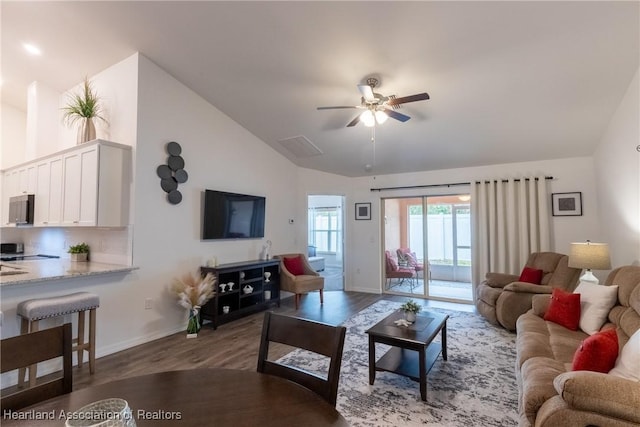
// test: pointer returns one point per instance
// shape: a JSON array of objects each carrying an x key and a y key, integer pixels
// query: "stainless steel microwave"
[{"x": 21, "y": 209}]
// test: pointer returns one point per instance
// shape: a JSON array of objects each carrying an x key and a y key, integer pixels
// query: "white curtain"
[{"x": 510, "y": 220}]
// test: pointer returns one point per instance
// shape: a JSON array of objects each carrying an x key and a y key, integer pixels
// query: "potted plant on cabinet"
[
  {"x": 79, "y": 252},
  {"x": 83, "y": 107},
  {"x": 410, "y": 308}
]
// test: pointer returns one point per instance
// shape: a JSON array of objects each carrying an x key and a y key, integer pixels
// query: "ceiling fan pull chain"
[{"x": 373, "y": 142}]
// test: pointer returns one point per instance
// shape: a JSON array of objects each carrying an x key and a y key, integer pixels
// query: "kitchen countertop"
[{"x": 55, "y": 269}]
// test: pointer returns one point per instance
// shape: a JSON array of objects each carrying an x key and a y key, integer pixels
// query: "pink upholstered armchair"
[{"x": 392, "y": 271}]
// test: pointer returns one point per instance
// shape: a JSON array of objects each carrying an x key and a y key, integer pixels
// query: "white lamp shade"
[
  {"x": 591, "y": 256},
  {"x": 381, "y": 117},
  {"x": 367, "y": 118}
]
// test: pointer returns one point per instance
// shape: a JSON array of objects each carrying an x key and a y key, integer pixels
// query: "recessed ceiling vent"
[{"x": 300, "y": 146}]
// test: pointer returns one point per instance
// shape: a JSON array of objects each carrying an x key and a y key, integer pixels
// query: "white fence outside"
[{"x": 440, "y": 238}]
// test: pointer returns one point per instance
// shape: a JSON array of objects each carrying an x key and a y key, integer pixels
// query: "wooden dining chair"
[
  {"x": 309, "y": 335},
  {"x": 24, "y": 350}
]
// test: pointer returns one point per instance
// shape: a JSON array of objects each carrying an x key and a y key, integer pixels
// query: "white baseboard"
[{"x": 363, "y": 290}]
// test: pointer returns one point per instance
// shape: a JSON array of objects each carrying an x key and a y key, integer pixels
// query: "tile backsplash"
[{"x": 108, "y": 245}]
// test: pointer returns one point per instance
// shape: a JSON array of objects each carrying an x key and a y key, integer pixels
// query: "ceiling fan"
[{"x": 378, "y": 107}]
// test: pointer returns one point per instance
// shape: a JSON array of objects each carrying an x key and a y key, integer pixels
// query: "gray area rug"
[{"x": 475, "y": 387}]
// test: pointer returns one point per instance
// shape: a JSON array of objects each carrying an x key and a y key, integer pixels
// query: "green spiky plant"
[{"x": 84, "y": 105}]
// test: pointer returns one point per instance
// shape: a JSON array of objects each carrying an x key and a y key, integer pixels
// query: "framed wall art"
[
  {"x": 363, "y": 211},
  {"x": 566, "y": 204}
]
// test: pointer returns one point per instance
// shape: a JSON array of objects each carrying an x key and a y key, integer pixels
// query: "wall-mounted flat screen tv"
[{"x": 232, "y": 216}]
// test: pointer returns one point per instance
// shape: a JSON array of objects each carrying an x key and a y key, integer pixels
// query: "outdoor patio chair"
[
  {"x": 393, "y": 271},
  {"x": 408, "y": 259}
]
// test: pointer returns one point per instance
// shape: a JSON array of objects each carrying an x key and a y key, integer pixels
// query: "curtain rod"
[{"x": 454, "y": 184}]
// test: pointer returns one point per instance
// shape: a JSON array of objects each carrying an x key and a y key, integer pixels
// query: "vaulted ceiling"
[{"x": 509, "y": 81}]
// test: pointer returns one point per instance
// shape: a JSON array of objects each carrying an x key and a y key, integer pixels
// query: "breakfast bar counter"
[{"x": 14, "y": 273}]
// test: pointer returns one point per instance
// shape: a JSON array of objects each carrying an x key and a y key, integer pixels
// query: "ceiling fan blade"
[
  {"x": 367, "y": 92},
  {"x": 395, "y": 115},
  {"x": 337, "y": 107},
  {"x": 354, "y": 121},
  {"x": 412, "y": 98}
]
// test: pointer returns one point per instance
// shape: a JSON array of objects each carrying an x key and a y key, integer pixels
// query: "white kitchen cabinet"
[
  {"x": 96, "y": 186},
  {"x": 87, "y": 185},
  {"x": 7, "y": 192},
  {"x": 48, "y": 200},
  {"x": 26, "y": 180},
  {"x": 13, "y": 183},
  {"x": 43, "y": 182},
  {"x": 80, "y": 194},
  {"x": 17, "y": 181},
  {"x": 21, "y": 180}
]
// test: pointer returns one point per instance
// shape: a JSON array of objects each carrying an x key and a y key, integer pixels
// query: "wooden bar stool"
[{"x": 34, "y": 310}]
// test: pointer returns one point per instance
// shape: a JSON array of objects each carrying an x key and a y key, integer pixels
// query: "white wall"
[
  {"x": 43, "y": 115},
  {"x": 363, "y": 252},
  {"x": 117, "y": 87},
  {"x": 25, "y": 137},
  {"x": 219, "y": 154},
  {"x": 13, "y": 136},
  {"x": 617, "y": 168}
]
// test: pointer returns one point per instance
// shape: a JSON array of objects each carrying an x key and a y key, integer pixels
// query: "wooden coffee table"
[{"x": 413, "y": 351}]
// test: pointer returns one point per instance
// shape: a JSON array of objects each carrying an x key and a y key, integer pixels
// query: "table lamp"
[{"x": 589, "y": 256}]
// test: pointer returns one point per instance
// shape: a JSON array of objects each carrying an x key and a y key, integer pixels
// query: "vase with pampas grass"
[{"x": 193, "y": 291}]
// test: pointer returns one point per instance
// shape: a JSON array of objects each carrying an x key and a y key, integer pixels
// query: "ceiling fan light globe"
[
  {"x": 368, "y": 118},
  {"x": 381, "y": 117}
]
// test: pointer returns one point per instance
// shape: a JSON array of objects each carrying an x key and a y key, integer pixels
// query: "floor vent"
[{"x": 300, "y": 146}]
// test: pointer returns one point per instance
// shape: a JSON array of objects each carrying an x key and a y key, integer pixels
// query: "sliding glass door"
[{"x": 429, "y": 240}]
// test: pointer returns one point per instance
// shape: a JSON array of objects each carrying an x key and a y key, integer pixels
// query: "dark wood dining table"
[{"x": 196, "y": 397}]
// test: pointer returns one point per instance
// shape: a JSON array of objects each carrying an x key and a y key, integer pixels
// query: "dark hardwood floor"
[{"x": 233, "y": 345}]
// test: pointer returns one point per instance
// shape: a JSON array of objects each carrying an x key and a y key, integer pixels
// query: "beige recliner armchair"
[
  {"x": 501, "y": 298},
  {"x": 300, "y": 284}
]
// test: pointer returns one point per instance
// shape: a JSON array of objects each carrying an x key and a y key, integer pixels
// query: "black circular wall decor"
[
  {"x": 174, "y": 149},
  {"x": 164, "y": 171},
  {"x": 181, "y": 176},
  {"x": 175, "y": 162},
  {"x": 174, "y": 197},
  {"x": 172, "y": 173},
  {"x": 168, "y": 185}
]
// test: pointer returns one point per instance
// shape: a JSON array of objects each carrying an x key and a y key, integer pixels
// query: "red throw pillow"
[
  {"x": 597, "y": 353},
  {"x": 531, "y": 275},
  {"x": 294, "y": 265},
  {"x": 564, "y": 309}
]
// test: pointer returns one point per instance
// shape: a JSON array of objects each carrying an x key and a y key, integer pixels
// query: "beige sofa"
[
  {"x": 501, "y": 298},
  {"x": 550, "y": 393}
]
